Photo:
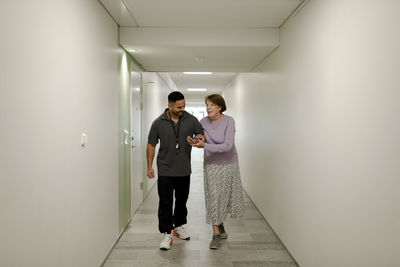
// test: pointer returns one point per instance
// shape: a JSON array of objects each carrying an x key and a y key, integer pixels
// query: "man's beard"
[{"x": 177, "y": 113}]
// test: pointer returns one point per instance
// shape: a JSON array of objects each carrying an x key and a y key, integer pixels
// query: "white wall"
[
  {"x": 155, "y": 101},
  {"x": 58, "y": 78},
  {"x": 318, "y": 134}
]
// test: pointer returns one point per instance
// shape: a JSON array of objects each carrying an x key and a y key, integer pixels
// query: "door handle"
[{"x": 126, "y": 137}]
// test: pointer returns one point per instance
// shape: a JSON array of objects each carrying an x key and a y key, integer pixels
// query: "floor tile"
[{"x": 250, "y": 241}]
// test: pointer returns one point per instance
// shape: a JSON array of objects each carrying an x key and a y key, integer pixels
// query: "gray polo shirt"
[{"x": 170, "y": 162}]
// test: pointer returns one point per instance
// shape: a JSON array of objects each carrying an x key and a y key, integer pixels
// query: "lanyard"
[{"x": 177, "y": 148}]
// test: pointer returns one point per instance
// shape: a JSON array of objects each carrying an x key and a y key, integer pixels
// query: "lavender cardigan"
[{"x": 220, "y": 146}]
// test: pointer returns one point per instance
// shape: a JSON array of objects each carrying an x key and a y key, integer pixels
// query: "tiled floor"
[{"x": 250, "y": 240}]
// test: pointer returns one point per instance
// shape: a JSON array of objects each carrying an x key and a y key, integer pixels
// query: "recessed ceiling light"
[
  {"x": 197, "y": 72},
  {"x": 197, "y": 89},
  {"x": 137, "y": 89},
  {"x": 132, "y": 50}
]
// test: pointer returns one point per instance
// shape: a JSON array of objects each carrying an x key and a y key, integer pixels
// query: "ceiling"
[
  {"x": 221, "y": 36},
  {"x": 214, "y": 83}
]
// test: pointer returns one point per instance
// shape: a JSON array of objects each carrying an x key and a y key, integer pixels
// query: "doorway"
[{"x": 136, "y": 143}]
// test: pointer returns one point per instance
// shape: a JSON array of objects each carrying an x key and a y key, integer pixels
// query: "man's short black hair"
[{"x": 175, "y": 96}]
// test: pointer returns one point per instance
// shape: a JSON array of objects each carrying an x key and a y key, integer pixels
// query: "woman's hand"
[
  {"x": 199, "y": 143},
  {"x": 200, "y": 137}
]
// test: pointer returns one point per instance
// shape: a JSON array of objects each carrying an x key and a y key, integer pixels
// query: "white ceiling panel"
[
  {"x": 223, "y": 59},
  {"x": 211, "y": 13},
  {"x": 199, "y": 36},
  {"x": 215, "y": 82},
  {"x": 196, "y": 49}
]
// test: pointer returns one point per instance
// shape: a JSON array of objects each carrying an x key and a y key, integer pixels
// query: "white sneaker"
[
  {"x": 181, "y": 233},
  {"x": 166, "y": 242}
]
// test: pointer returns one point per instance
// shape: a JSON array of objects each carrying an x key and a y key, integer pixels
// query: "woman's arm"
[{"x": 229, "y": 139}]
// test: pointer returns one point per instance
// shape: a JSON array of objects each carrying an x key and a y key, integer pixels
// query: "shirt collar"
[{"x": 165, "y": 117}]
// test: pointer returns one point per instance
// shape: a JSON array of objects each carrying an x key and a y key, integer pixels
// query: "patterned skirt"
[{"x": 223, "y": 192}]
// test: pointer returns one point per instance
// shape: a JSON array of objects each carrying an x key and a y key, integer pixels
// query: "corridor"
[
  {"x": 313, "y": 87},
  {"x": 251, "y": 242}
]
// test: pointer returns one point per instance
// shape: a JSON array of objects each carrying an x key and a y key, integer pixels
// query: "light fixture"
[
  {"x": 197, "y": 72},
  {"x": 197, "y": 89},
  {"x": 137, "y": 89},
  {"x": 132, "y": 50}
]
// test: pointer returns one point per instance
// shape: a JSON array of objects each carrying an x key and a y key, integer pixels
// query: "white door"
[{"x": 136, "y": 156}]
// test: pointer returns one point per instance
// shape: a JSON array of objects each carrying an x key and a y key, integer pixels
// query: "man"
[{"x": 173, "y": 163}]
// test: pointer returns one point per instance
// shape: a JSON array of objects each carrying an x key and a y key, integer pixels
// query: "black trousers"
[{"x": 166, "y": 186}]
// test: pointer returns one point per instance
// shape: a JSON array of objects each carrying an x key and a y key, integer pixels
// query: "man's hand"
[
  {"x": 191, "y": 141},
  {"x": 150, "y": 173},
  {"x": 150, "y": 152}
]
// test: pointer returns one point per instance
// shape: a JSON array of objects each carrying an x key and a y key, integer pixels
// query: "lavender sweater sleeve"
[{"x": 220, "y": 146}]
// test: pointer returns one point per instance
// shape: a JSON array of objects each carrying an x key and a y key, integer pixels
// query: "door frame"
[{"x": 136, "y": 169}]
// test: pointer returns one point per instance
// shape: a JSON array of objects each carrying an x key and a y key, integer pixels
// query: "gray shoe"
[
  {"x": 223, "y": 234},
  {"x": 215, "y": 242}
]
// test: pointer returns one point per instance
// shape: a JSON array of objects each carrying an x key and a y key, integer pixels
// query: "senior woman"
[{"x": 222, "y": 185}]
